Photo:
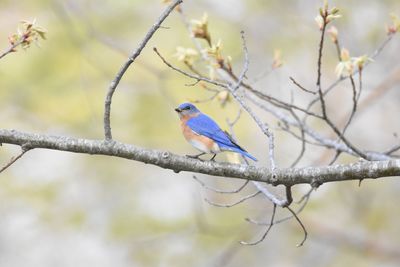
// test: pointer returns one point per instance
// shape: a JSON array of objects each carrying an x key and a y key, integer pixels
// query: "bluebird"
[{"x": 203, "y": 133}]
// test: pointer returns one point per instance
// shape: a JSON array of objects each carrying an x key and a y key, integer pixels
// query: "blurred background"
[{"x": 64, "y": 209}]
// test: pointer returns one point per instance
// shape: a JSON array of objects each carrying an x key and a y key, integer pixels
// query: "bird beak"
[{"x": 178, "y": 110}]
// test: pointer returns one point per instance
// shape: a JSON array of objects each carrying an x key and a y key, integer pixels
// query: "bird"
[{"x": 204, "y": 134}]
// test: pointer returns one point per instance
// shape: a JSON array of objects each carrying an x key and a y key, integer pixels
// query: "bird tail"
[
  {"x": 237, "y": 148},
  {"x": 241, "y": 151},
  {"x": 246, "y": 154}
]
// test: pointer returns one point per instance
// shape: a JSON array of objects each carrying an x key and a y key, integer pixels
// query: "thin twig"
[
  {"x": 263, "y": 75},
  {"x": 14, "y": 159},
  {"x": 337, "y": 154},
  {"x": 264, "y": 128},
  {"x": 190, "y": 67},
  {"x": 355, "y": 101},
  {"x": 281, "y": 104},
  {"x": 245, "y": 65},
  {"x": 304, "y": 198},
  {"x": 12, "y": 47},
  {"x": 302, "y": 139},
  {"x": 125, "y": 66},
  {"x": 190, "y": 75},
  {"x": 392, "y": 150},
  {"x": 269, "y": 98},
  {"x": 212, "y": 97},
  {"x": 320, "y": 48},
  {"x": 301, "y": 224},
  {"x": 338, "y": 52},
  {"x": 241, "y": 200},
  {"x": 359, "y": 84},
  {"x": 216, "y": 190},
  {"x": 231, "y": 124},
  {"x": 329, "y": 143},
  {"x": 353, "y": 111},
  {"x": 266, "y": 231},
  {"x": 333, "y": 85},
  {"x": 192, "y": 84},
  {"x": 347, "y": 142},
  {"x": 380, "y": 48},
  {"x": 301, "y": 87}
]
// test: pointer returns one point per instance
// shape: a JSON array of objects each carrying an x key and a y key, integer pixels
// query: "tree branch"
[
  {"x": 131, "y": 59},
  {"x": 329, "y": 143},
  {"x": 167, "y": 160}
]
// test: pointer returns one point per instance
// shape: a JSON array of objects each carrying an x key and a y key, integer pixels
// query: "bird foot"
[
  {"x": 195, "y": 156},
  {"x": 213, "y": 158}
]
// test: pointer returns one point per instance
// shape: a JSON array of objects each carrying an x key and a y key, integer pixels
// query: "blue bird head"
[{"x": 186, "y": 109}]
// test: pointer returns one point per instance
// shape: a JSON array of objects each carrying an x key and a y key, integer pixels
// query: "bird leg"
[
  {"x": 212, "y": 159},
  {"x": 196, "y": 156}
]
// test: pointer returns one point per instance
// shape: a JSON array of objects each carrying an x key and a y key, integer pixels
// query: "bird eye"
[{"x": 188, "y": 107}]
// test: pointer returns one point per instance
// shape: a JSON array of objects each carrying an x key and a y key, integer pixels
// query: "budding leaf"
[
  {"x": 200, "y": 29},
  {"x": 186, "y": 55},
  {"x": 333, "y": 33}
]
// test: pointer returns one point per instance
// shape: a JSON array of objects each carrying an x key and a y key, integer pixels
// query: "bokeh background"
[{"x": 64, "y": 209}]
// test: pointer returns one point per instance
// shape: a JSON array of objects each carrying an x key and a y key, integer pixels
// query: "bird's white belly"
[{"x": 203, "y": 147}]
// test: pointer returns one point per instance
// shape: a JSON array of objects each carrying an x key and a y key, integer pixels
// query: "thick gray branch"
[{"x": 167, "y": 160}]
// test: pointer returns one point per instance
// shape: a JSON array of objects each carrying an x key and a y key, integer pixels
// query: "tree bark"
[{"x": 164, "y": 159}]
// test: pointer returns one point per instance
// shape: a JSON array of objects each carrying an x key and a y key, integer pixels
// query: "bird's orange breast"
[{"x": 201, "y": 142}]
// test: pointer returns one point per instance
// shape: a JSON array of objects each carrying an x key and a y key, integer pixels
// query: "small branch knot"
[
  {"x": 165, "y": 155},
  {"x": 274, "y": 179}
]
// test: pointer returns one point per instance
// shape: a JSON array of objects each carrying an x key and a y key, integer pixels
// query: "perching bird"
[{"x": 203, "y": 133}]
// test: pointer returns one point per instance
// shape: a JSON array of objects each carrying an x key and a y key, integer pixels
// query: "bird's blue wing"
[{"x": 204, "y": 125}]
